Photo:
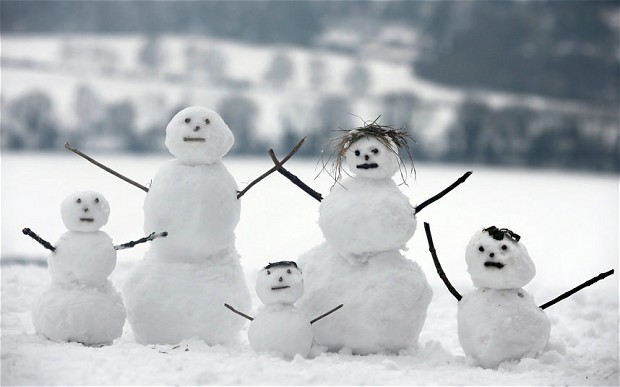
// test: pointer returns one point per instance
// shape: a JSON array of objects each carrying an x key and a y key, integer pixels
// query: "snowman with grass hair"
[
  {"x": 280, "y": 328},
  {"x": 81, "y": 304},
  {"x": 499, "y": 321},
  {"x": 366, "y": 221}
]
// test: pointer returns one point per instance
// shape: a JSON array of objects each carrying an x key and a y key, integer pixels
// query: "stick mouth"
[
  {"x": 498, "y": 265},
  {"x": 88, "y": 220},
  {"x": 368, "y": 166},
  {"x": 280, "y": 287},
  {"x": 194, "y": 139}
]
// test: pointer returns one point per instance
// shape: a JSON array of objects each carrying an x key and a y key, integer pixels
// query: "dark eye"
[
  {"x": 375, "y": 151},
  {"x": 78, "y": 201},
  {"x": 96, "y": 200},
  {"x": 481, "y": 248},
  {"x": 504, "y": 247},
  {"x": 268, "y": 272},
  {"x": 187, "y": 120},
  {"x": 357, "y": 153},
  {"x": 288, "y": 271},
  {"x": 207, "y": 121}
]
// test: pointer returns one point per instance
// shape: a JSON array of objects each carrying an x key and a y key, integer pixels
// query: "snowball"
[
  {"x": 281, "y": 329},
  {"x": 79, "y": 313},
  {"x": 197, "y": 206},
  {"x": 85, "y": 211},
  {"x": 369, "y": 158},
  {"x": 171, "y": 301},
  {"x": 84, "y": 257},
  {"x": 498, "y": 264},
  {"x": 499, "y": 325},
  {"x": 385, "y": 300},
  {"x": 362, "y": 216},
  {"x": 197, "y": 135},
  {"x": 279, "y": 284}
]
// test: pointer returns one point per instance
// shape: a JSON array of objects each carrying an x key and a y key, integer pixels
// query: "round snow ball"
[
  {"x": 280, "y": 284},
  {"x": 368, "y": 157},
  {"x": 85, "y": 211},
  {"x": 197, "y": 135},
  {"x": 498, "y": 264}
]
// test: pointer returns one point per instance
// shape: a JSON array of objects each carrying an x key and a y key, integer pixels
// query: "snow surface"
[{"x": 569, "y": 222}]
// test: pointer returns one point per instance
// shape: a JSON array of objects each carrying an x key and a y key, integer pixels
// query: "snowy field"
[{"x": 568, "y": 221}]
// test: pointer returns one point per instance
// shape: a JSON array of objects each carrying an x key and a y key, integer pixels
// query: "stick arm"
[
  {"x": 442, "y": 274},
  {"x": 574, "y": 290},
  {"x": 441, "y": 194},
  {"x": 148, "y": 238},
  {"x": 239, "y": 313},
  {"x": 326, "y": 314},
  {"x": 294, "y": 179},
  {"x": 43, "y": 242}
]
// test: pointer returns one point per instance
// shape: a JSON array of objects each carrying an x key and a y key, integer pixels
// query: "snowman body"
[
  {"x": 500, "y": 321},
  {"x": 366, "y": 220},
  {"x": 178, "y": 290},
  {"x": 81, "y": 304}
]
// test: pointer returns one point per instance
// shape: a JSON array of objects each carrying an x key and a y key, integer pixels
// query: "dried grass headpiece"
[{"x": 387, "y": 135}]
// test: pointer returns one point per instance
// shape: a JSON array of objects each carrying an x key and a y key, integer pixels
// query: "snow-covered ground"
[{"x": 568, "y": 221}]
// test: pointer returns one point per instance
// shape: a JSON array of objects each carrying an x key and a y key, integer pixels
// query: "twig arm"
[
  {"x": 294, "y": 179},
  {"x": 43, "y": 242},
  {"x": 107, "y": 169},
  {"x": 569, "y": 293},
  {"x": 131, "y": 244},
  {"x": 460, "y": 181},
  {"x": 442, "y": 274},
  {"x": 272, "y": 170},
  {"x": 326, "y": 314},
  {"x": 239, "y": 313}
]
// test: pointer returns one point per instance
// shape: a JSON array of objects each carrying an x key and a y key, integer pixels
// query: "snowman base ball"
[
  {"x": 496, "y": 325},
  {"x": 281, "y": 329},
  {"x": 84, "y": 314},
  {"x": 386, "y": 300},
  {"x": 168, "y": 302}
]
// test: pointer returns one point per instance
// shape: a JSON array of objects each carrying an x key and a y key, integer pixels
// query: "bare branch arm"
[
  {"x": 239, "y": 313},
  {"x": 272, "y": 170},
  {"x": 131, "y": 244},
  {"x": 294, "y": 179},
  {"x": 460, "y": 181},
  {"x": 569, "y": 293},
  {"x": 442, "y": 274},
  {"x": 109, "y": 170},
  {"x": 326, "y": 314},
  {"x": 43, "y": 242}
]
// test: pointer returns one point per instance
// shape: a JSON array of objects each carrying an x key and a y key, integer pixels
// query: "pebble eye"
[
  {"x": 288, "y": 271},
  {"x": 207, "y": 121},
  {"x": 481, "y": 248},
  {"x": 96, "y": 200},
  {"x": 268, "y": 272},
  {"x": 187, "y": 120},
  {"x": 375, "y": 151},
  {"x": 78, "y": 201},
  {"x": 504, "y": 247},
  {"x": 357, "y": 153}
]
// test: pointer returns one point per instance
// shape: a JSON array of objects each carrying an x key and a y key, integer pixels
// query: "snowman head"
[
  {"x": 280, "y": 282},
  {"x": 197, "y": 135},
  {"x": 496, "y": 260},
  {"x": 85, "y": 211}
]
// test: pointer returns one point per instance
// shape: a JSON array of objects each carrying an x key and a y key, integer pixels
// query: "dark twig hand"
[
  {"x": 43, "y": 242},
  {"x": 239, "y": 313},
  {"x": 294, "y": 179},
  {"x": 569, "y": 293},
  {"x": 131, "y": 244},
  {"x": 460, "y": 181},
  {"x": 442, "y": 274}
]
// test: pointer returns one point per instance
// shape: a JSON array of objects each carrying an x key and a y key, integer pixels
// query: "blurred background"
[{"x": 517, "y": 83}]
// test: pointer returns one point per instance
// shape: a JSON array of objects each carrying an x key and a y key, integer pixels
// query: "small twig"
[
  {"x": 326, "y": 314},
  {"x": 272, "y": 170},
  {"x": 131, "y": 244},
  {"x": 128, "y": 180},
  {"x": 460, "y": 181},
  {"x": 442, "y": 274},
  {"x": 239, "y": 313},
  {"x": 576, "y": 289},
  {"x": 294, "y": 179},
  {"x": 37, "y": 238}
]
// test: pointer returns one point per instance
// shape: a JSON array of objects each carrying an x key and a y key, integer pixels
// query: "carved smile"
[
  {"x": 498, "y": 265},
  {"x": 89, "y": 220},
  {"x": 194, "y": 139},
  {"x": 368, "y": 166},
  {"x": 280, "y": 287}
]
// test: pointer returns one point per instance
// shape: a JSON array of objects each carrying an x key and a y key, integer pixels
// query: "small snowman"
[
  {"x": 499, "y": 321},
  {"x": 81, "y": 304},
  {"x": 366, "y": 221},
  {"x": 280, "y": 327}
]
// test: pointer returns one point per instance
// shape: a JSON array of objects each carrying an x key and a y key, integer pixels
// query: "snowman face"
[
  {"x": 498, "y": 264},
  {"x": 279, "y": 284},
  {"x": 85, "y": 211},
  {"x": 197, "y": 135},
  {"x": 369, "y": 158}
]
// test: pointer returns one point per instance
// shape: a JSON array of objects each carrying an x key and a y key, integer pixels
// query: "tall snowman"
[
  {"x": 176, "y": 292},
  {"x": 366, "y": 221}
]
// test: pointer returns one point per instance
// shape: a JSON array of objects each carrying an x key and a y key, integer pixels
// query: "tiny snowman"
[
  {"x": 81, "y": 304},
  {"x": 366, "y": 221},
  {"x": 499, "y": 321},
  {"x": 280, "y": 327}
]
